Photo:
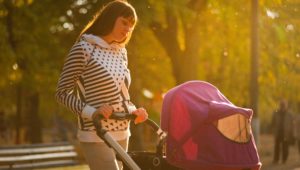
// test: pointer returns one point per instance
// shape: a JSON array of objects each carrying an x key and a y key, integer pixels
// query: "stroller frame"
[{"x": 121, "y": 153}]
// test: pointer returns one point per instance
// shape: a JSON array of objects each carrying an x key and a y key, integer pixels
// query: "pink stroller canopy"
[{"x": 206, "y": 131}]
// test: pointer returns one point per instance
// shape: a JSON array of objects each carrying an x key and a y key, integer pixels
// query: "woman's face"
[{"x": 122, "y": 29}]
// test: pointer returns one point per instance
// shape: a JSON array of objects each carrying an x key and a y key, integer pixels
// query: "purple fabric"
[{"x": 193, "y": 142}]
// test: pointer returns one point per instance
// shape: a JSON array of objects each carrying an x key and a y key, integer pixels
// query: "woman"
[{"x": 95, "y": 80}]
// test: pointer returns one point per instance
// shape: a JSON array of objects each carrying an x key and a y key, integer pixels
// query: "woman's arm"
[{"x": 72, "y": 70}]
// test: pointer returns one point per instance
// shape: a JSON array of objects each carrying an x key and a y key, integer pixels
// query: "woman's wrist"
[
  {"x": 95, "y": 113},
  {"x": 88, "y": 111}
]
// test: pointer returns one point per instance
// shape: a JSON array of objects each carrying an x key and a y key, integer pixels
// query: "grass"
[{"x": 78, "y": 167}]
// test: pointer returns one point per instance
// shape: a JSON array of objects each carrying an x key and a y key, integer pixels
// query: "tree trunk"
[
  {"x": 18, "y": 118},
  {"x": 33, "y": 121},
  {"x": 254, "y": 70},
  {"x": 32, "y": 101},
  {"x": 254, "y": 58},
  {"x": 184, "y": 61},
  {"x": 13, "y": 44}
]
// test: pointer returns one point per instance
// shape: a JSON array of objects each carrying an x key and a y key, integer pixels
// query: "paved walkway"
[{"x": 77, "y": 167}]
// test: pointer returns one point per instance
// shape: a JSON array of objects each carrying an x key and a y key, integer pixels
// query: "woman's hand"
[
  {"x": 106, "y": 110},
  {"x": 141, "y": 115}
]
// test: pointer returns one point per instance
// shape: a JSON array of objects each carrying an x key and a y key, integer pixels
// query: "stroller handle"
[
  {"x": 107, "y": 138},
  {"x": 116, "y": 116},
  {"x": 125, "y": 116}
]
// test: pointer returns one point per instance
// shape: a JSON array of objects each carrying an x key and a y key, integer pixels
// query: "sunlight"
[
  {"x": 62, "y": 19},
  {"x": 215, "y": 11},
  {"x": 272, "y": 14},
  {"x": 147, "y": 93},
  {"x": 82, "y": 10},
  {"x": 15, "y": 66},
  {"x": 289, "y": 27},
  {"x": 225, "y": 53},
  {"x": 69, "y": 12},
  {"x": 80, "y": 2},
  {"x": 68, "y": 26}
]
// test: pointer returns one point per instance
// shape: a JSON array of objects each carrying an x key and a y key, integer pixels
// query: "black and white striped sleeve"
[{"x": 72, "y": 69}]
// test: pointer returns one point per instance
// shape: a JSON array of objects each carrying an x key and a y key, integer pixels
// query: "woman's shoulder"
[
  {"x": 84, "y": 42},
  {"x": 98, "y": 41},
  {"x": 84, "y": 45}
]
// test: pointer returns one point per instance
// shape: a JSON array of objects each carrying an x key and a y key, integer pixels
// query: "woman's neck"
[{"x": 107, "y": 39}]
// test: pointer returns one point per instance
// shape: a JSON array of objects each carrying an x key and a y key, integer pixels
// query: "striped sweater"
[{"x": 95, "y": 73}]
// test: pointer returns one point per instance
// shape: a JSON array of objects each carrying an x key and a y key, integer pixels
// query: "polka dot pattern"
[
  {"x": 114, "y": 62},
  {"x": 100, "y": 75}
]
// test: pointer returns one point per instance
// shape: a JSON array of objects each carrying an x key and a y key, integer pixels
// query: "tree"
[
  {"x": 174, "y": 41},
  {"x": 27, "y": 55},
  {"x": 183, "y": 53},
  {"x": 254, "y": 67}
]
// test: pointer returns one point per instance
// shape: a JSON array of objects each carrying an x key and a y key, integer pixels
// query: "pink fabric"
[{"x": 193, "y": 142}]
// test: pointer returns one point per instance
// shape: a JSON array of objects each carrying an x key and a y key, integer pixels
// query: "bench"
[{"x": 38, "y": 156}]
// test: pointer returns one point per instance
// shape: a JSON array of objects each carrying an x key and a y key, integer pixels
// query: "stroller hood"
[{"x": 205, "y": 130}]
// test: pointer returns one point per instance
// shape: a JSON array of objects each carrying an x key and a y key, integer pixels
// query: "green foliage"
[
  {"x": 45, "y": 30},
  {"x": 279, "y": 62}
]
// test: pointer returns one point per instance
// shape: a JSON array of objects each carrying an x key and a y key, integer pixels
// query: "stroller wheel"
[
  {"x": 156, "y": 162},
  {"x": 150, "y": 161},
  {"x": 146, "y": 160}
]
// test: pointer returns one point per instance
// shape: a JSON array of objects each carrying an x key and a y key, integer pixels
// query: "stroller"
[{"x": 200, "y": 130}]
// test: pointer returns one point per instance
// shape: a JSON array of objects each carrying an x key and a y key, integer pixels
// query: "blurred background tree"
[{"x": 174, "y": 41}]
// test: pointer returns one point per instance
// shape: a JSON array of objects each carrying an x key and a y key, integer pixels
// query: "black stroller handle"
[
  {"x": 107, "y": 138},
  {"x": 153, "y": 160},
  {"x": 127, "y": 116},
  {"x": 122, "y": 116},
  {"x": 116, "y": 116}
]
